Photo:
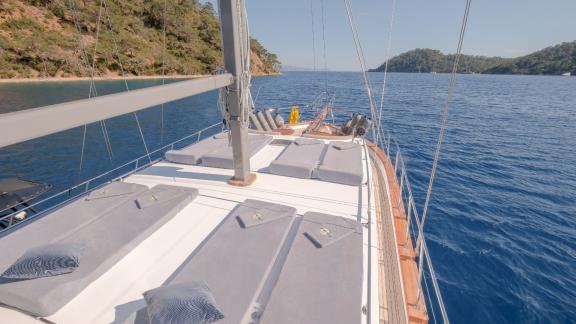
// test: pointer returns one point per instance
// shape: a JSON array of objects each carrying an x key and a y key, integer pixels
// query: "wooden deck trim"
[
  {"x": 417, "y": 312},
  {"x": 383, "y": 300}
]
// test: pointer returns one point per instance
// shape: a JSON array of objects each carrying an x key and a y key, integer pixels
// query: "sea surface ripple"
[{"x": 502, "y": 224}]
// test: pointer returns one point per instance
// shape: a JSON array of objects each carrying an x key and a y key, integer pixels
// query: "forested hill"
[
  {"x": 555, "y": 60},
  {"x": 39, "y": 38},
  {"x": 429, "y": 60}
]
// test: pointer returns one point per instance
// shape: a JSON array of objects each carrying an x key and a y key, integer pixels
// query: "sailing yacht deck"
[
  {"x": 321, "y": 236},
  {"x": 150, "y": 264},
  {"x": 117, "y": 295}
]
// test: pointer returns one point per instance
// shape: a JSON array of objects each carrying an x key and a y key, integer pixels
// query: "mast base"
[{"x": 243, "y": 183}]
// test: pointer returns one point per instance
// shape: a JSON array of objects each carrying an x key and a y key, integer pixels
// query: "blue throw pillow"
[
  {"x": 186, "y": 303},
  {"x": 44, "y": 261}
]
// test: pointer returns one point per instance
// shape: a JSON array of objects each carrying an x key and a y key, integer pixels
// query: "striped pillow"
[
  {"x": 44, "y": 261},
  {"x": 187, "y": 303}
]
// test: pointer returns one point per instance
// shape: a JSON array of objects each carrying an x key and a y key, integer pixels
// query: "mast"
[{"x": 231, "y": 17}]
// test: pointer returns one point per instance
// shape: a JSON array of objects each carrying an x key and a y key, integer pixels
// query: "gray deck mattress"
[
  {"x": 240, "y": 258},
  {"x": 299, "y": 159},
  {"x": 64, "y": 221},
  {"x": 342, "y": 163},
  {"x": 107, "y": 226},
  {"x": 193, "y": 153},
  {"x": 222, "y": 157},
  {"x": 321, "y": 281}
]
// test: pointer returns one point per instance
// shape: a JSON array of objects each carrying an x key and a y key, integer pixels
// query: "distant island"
[
  {"x": 554, "y": 60},
  {"x": 39, "y": 39},
  {"x": 291, "y": 68}
]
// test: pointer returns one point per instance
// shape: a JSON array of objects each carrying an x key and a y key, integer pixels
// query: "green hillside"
[
  {"x": 555, "y": 60},
  {"x": 39, "y": 38},
  {"x": 429, "y": 60}
]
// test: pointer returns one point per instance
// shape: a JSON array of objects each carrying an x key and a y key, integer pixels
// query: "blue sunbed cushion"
[
  {"x": 45, "y": 261},
  {"x": 185, "y": 303}
]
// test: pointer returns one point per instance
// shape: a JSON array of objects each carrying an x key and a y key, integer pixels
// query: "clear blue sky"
[{"x": 506, "y": 28}]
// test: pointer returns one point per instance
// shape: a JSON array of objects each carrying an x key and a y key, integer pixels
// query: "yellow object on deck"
[{"x": 294, "y": 116}]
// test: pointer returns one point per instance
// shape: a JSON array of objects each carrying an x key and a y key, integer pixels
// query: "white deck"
[{"x": 118, "y": 293}]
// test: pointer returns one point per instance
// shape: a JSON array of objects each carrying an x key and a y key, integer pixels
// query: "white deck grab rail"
[{"x": 20, "y": 126}]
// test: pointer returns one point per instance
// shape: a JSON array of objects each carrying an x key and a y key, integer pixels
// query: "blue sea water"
[{"x": 502, "y": 224}]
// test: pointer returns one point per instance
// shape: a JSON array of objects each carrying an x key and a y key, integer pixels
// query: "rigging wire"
[
  {"x": 431, "y": 307},
  {"x": 313, "y": 34},
  {"x": 361, "y": 60},
  {"x": 82, "y": 152},
  {"x": 84, "y": 59},
  {"x": 247, "y": 101},
  {"x": 104, "y": 129},
  {"x": 115, "y": 48},
  {"x": 90, "y": 68},
  {"x": 444, "y": 122},
  {"x": 92, "y": 85},
  {"x": 433, "y": 280},
  {"x": 387, "y": 58},
  {"x": 257, "y": 95},
  {"x": 83, "y": 53},
  {"x": 324, "y": 47},
  {"x": 163, "y": 71},
  {"x": 142, "y": 136},
  {"x": 421, "y": 244},
  {"x": 435, "y": 285},
  {"x": 93, "y": 92}
]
